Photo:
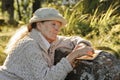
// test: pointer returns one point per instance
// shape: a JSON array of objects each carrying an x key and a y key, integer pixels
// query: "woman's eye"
[{"x": 53, "y": 24}]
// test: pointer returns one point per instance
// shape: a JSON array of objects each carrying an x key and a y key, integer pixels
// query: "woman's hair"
[
  {"x": 19, "y": 34},
  {"x": 31, "y": 26}
]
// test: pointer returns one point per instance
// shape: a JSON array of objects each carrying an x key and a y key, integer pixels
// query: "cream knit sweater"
[{"x": 30, "y": 60}]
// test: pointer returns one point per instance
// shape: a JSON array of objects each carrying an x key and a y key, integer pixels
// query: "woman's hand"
[{"x": 79, "y": 51}]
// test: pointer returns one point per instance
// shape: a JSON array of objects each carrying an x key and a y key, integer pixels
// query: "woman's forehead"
[{"x": 53, "y": 21}]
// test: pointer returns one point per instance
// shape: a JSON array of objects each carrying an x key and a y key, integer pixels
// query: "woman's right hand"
[{"x": 79, "y": 51}]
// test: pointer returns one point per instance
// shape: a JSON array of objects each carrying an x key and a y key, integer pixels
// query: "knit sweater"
[{"x": 29, "y": 60}]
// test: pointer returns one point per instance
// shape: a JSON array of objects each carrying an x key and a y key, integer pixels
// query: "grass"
[
  {"x": 5, "y": 34},
  {"x": 101, "y": 28}
]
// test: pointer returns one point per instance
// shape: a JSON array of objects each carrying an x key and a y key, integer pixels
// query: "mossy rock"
[{"x": 104, "y": 67}]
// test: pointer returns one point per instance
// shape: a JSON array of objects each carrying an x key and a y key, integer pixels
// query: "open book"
[{"x": 92, "y": 57}]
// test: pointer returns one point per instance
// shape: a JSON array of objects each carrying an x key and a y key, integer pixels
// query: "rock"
[{"x": 104, "y": 67}]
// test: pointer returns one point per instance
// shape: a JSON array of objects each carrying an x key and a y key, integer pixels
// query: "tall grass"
[
  {"x": 106, "y": 30},
  {"x": 101, "y": 28},
  {"x": 5, "y": 34}
]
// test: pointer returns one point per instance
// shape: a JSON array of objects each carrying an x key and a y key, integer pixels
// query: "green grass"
[
  {"x": 5, "y": 34},
  {"x": 101, "y": 28}
]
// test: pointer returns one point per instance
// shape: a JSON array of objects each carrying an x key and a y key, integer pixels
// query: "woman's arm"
[
  {"x": 75, "y": 46},
  {"x": 27, "y": 62},
  {"x": 39, "y": 67},
  {"x": 68, "y": 43}
]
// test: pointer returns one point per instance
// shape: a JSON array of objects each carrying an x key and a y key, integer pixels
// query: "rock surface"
[{"x": 104, "y": 67}]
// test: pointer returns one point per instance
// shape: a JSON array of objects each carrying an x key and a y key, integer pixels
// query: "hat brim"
[{"x": 60, "y": 19}]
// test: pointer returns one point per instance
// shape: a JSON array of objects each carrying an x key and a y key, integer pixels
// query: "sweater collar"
[
  {"x": 41, "y": 41},
  {"x": 47, "y": 44}
]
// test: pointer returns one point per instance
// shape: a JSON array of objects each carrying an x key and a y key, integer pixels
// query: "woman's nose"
[{"x": 56, "y": 28}]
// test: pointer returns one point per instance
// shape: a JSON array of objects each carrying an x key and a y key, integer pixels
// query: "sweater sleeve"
[
  {"x": 39, "y": 67},
  {"x": 68, "y": 43},
  {"x": 73, "y": 39},
  {"x": 27, "y": 63}
]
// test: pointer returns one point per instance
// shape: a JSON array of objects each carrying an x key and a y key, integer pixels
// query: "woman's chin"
[{"x": 52, "y": 39}]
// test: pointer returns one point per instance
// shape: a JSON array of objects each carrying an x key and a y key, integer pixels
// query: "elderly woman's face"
[{"x": 49, "y": 29}]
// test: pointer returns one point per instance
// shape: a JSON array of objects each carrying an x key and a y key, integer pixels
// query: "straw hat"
[{"x": 43, "y": 14}]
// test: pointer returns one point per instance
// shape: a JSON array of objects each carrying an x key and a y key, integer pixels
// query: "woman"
[{"x": 31, "y": 55}]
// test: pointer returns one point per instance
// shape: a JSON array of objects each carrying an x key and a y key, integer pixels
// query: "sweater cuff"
[
  {"x": 85, "y": 42},
  {"x": 67, "y": 66}
]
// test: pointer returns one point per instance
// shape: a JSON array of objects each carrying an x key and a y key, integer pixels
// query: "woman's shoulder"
[
  {"x": 25, "y": 42},
  {"x": 22, "y": 44}
]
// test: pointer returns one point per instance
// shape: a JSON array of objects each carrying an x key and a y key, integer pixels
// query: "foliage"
[
  {"x": 5, "y": 34},
  {"x": 106, "y": 30},
  {"x": 102, "y": 28},
  {"x": 23, "y": 10}
]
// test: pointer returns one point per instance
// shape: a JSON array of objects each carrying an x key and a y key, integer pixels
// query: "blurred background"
[{"x": 95, "y": 20}]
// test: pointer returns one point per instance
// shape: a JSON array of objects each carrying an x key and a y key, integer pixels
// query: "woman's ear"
[{"x": 38, "y": 25}]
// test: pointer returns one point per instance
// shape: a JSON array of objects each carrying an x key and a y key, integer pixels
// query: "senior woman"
[{"x": 31, "y": 56}]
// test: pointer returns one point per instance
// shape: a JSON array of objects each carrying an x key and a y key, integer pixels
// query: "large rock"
[{"x": 104, "y": 67}]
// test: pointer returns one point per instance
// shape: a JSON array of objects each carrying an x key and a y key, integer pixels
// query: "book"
[{"x": 90, "y": 57}]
